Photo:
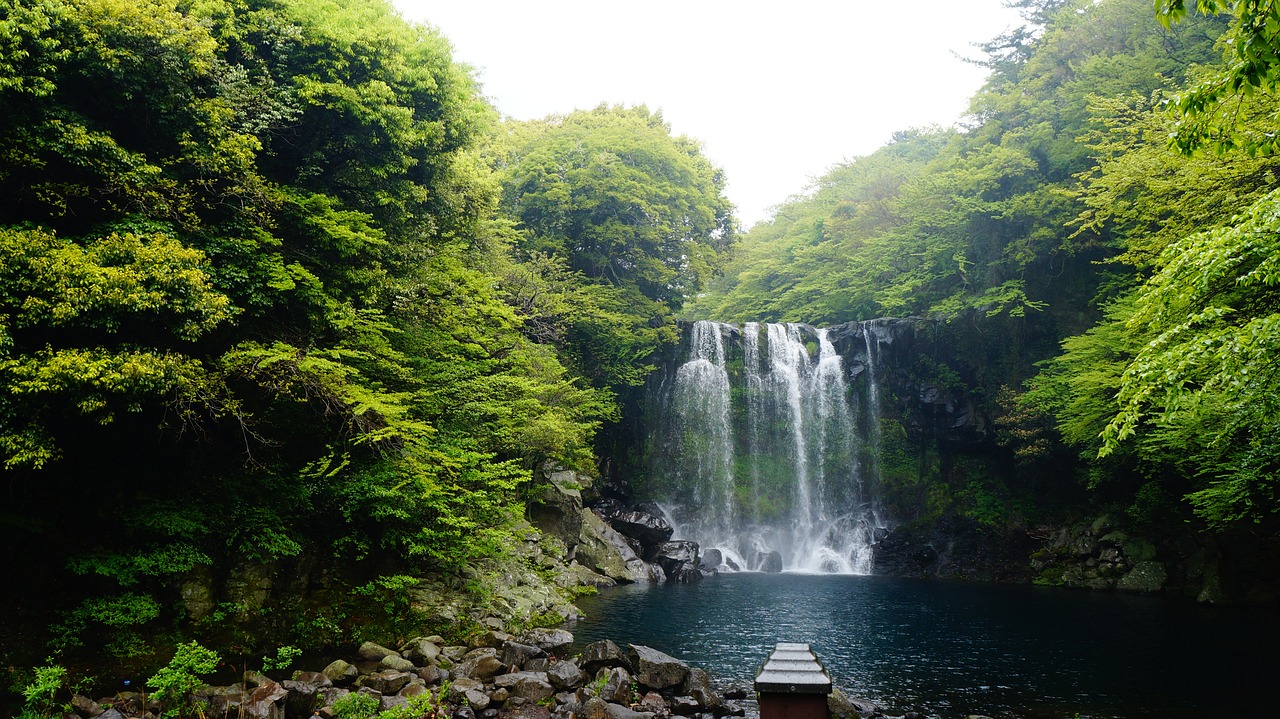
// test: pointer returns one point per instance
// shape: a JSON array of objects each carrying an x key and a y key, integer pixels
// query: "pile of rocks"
[
  {"x": 647, "y": 533},
  {"x": 498, "y": 675}
]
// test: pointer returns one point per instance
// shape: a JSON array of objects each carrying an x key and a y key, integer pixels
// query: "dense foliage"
[
  {"x": 258, "y": 304},
  {"x": 1072, "y": 222}
]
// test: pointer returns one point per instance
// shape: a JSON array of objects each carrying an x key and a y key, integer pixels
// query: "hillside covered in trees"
[{"x": 279, "y": 288}]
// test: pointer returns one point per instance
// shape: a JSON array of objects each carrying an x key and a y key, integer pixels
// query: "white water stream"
[{"x": 767, "y": 456}]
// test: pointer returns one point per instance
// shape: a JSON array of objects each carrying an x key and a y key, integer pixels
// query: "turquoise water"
[{"x": 950, "y": 649}]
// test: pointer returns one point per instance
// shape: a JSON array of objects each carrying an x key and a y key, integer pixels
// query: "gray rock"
[
  {"x": 657, "y": 670},
  {"x": 86, "y": 707},
  {"x": 480, "y": 664},
  {"x": 532, "y": 688},
  {"x": 372, "y": 652},
  {"x": 731, "y": 709},
  {"x": 603, "y": 653},
  {"x": 421, "y": 650},
  {"x": 392, "y": 703},
  {"x": 516, "y": 654},
  {"x": 616, "y": 686},
  {"x": 565, "y": 675},
  {"x": 493, "y": 638},
  {"x": 304, "y": 693},
  {"x": 771, "y": 562},
  {"x": 432, "y": 675},
  {"x": 648, "y": 529},
  {"x": 602, "y": 550},
  {"x": 684, "y": 706},
  {"x": 387, "y": 681},
  {"x": 617, "y": 711},
  {"x": 697, "y": 678},
  {"x": 394, "y": 663},
  {"x": 557, "y": 508},
  {"x": 414, "y": 689},
  {"x": 341, "y": 673},
  {"x": 266, "y": 702},
  {"x": 1144, "y": 577},
  {"x": 111, "y": 713},
  {"x": 537, "y": 664},
  {"x": 551, "y": 641},
  {"x": 477, "y": 700},
  {"x": 653, "y": 702},
  {"x": 707, "y": 700}
]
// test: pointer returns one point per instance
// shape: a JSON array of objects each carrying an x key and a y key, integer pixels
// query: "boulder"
[
  {"x": 304, "y": 693},
  {"x": 607, "y": 508},
  {"x": 387, "y": 681},
  {"x": 532, "y": 687},
  {"x": 711, "y": 559},
  {"x": 515, "y": 654},
  {"x": 646, "y": 528},
  {"x": 396, "y": 663},
  {"x": 731, "y": 709},
  {"x": 1147, "y": 576},
  {"x": 771, "y": 562},
  {"x": 653, "y": 702},
  {"x": 556, "y": 509},
  {"x": 616, "y": 686},
  {"x": 480, "y": 663},
  {"x": 839, "y": 706},
  {"x": 421, "y": 650},
  {"x": 684, "y": 706},
  {"x": 551, "y": 641},
  {"x": 601, "y": 654},
  {"x": 679, "y": 560},
  {"x": 85, "y": 707},
  {"x": 372, "y": 652},
  {"x": 432, "y": 675},
  {"x": 266, "y": 702},
  {"x": 602, "y": 550},
  {"x": 341, "y": 673},
  {"x": 657, "y": 670},
  {"x": 565, "y": 676},
  {"x": 696, "y": 678},
  {"x": 493, "y": 638}
]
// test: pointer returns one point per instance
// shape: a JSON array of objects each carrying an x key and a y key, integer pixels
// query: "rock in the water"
[
  {"x": 647, "y": 528},
  {"x": 551, "y": 641},
  {"x": 657, "y": 670},
  {"x": 603, "y": 653},
  {"x": 771, "y": 562},
  {"x": 565, "y": 675},
  {"x": 711, "y": 559}
]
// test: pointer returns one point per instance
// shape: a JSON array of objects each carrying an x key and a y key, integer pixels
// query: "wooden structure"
[{"x": 792, "y": 684}]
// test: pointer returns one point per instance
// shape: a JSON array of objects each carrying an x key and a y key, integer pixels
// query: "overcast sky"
[{"x": 777, "y": 92}]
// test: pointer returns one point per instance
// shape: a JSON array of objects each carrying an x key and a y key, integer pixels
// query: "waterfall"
[{"x": 761, "y": 451}]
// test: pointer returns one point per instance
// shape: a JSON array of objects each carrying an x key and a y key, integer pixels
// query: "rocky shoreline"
[{"x": 497, "y": 675}]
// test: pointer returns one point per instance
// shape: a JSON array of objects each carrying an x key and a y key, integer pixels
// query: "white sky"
[{"x": 777, "y": 92}]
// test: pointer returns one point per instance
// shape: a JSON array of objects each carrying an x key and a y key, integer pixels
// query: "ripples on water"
[{"x": 953, "y": 648}]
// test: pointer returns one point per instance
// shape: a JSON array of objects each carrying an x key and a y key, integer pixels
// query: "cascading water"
[{"x": 766, "y": 447}]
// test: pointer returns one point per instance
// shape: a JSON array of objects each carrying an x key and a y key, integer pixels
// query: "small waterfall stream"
[{"x": 764, "y": 448}]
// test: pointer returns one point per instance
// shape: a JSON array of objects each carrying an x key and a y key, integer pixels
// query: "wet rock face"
[
  {"x": 955, "y": 547},
  {"x": 648, "y": 529}
]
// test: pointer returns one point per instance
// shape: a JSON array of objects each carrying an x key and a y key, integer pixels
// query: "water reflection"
[{"x": 953, "y": 648}]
